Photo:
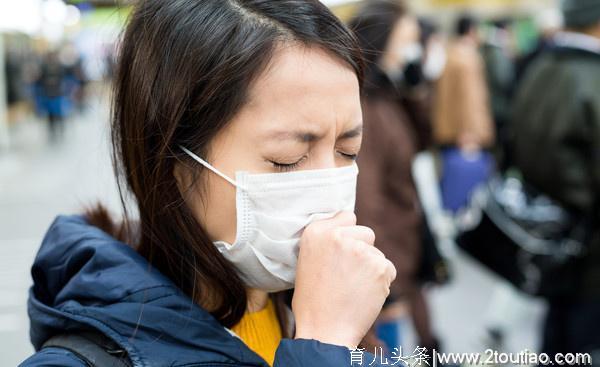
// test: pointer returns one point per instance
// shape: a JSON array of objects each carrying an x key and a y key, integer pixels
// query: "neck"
[{"x": 257, "y": 300}]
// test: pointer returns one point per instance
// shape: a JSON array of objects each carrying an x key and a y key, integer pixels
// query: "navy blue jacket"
[{"x": 84, "y": 278}]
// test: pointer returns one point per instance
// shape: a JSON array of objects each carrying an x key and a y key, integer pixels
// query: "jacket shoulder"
[{"x": 53, "y": 357}]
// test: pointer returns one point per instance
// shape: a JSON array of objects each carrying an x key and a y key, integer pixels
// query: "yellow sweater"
[{"x": 261, "y": 332}]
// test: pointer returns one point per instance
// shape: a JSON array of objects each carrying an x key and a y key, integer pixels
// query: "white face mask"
[
  {"x": 408, "y": 54},
  {"x": 435, "y": 62},
  {"x": 272, "y": 211},
  {"x": 411, "y": 52}
]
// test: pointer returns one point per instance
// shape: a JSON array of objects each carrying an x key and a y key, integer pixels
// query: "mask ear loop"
[{"x": 210, "y": 167}]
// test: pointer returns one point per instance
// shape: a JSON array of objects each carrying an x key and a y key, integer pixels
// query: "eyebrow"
[
  {"x": 357, "y": 131},
  {"x": 309, "y": 137}
]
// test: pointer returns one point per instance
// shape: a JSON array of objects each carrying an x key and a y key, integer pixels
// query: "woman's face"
[
  {"x": 303, "y": 113},
  {"x": 400, "y": 45}
]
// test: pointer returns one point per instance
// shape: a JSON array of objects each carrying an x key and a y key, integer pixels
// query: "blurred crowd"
[
  {"x": 472, "y": 140},
  {"x": 50, "y": 81}
]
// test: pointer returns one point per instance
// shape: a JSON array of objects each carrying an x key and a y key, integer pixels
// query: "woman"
[{"x": 235, "y": 127}]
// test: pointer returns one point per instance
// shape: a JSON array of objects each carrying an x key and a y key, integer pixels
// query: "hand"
[{"x": 342, "y": 281}]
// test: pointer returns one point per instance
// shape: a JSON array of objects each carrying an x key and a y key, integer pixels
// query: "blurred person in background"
[
  {"x": 433, "y": 268},
  {"x": 556, "y": 133},
  {"x": 500, "y": 75},
  {"x": 417, "y": 96},
  {"x": 434, "y": 58},
  {"x": 462, "y": 111},
  {"x": 386, "y": 195},
  {"x": 75, "y": 77},
  {"x": 548, "y": 22},
  {"x": 235, "y": 136},
  {"x": 52, "y": 87},
  {"x": 462, "y": 123},
  {"x": 15, "y": 81}
]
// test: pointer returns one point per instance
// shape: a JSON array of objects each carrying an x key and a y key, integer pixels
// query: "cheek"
[{"x": 216, "y": 209}]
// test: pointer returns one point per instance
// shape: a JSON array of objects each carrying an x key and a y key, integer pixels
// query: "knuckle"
[
  {"x": 357, "y": 250},
  {"x": 349, "y": 217},
  {"x": 367, "y": 234},
  {"x": 311, "y": 229},
  {"x": 391, "y": 270},
  {"x": 373, "y": 261},
  {"x": 382, "y": 270},
  {"x": 371, "y": 235},
  {"x": 378, "y": 252},
  {"x": 310, "y": 237},
  {"x": 337, "y": 235},
  {"x": 315, "y": 230}
]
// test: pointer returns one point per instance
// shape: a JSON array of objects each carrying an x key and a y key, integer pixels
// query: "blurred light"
[
  {"x": 57, "y": 15},
  {"x": 21, "y": 16},
  {"x": 73, "y": 16},
  {"x": 549, "y": 19},
  {"x": 54, "y": 11}
]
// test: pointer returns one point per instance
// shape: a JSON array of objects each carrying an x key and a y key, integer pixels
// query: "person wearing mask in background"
[
  {"x": 462, "y": 123},
  {"x": 556, "y": 146},
  {"x": 236, "y": 133},
  {"x": 416, "y": 95},
  {"x": 386, "y": 194},
  {"x": 434, "y": 58}
]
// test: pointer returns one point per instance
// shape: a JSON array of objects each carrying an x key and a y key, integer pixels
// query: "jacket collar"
[{"x": 84, "y": 278}]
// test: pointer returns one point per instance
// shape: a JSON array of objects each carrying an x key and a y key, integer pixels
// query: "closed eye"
[
  {"x": 285, "y": 167},
  {"x": 351, "y": 157}
]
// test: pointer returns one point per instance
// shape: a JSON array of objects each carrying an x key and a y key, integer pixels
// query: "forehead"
[
  {"x": 304, "y": 86},
  {"x": 406, "y": 29}
]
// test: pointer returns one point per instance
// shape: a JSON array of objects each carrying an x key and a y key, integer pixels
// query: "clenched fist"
[{"x": 342, "y": 281}]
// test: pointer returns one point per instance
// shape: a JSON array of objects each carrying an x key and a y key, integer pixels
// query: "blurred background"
[{"x": 56, "y": 61}]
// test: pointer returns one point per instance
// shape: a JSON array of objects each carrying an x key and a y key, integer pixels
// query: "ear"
[{"x": 183, "y": 177}]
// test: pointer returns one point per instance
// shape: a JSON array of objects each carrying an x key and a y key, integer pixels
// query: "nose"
[{"x": 330, "y": 158}]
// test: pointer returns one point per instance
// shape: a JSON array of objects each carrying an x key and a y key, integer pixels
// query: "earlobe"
[{"x": 182, "y": 177}]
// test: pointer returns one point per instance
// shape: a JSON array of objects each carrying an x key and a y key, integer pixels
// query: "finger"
[
  {"x": 391, "y": 270},
  {"x": 360, "y": 233},
  {"x": 376, "y": 252},
  {"x": 342, "y": 219},
  {"x": 379, "y": 257},
  {"x": 367, "y": 249}
]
